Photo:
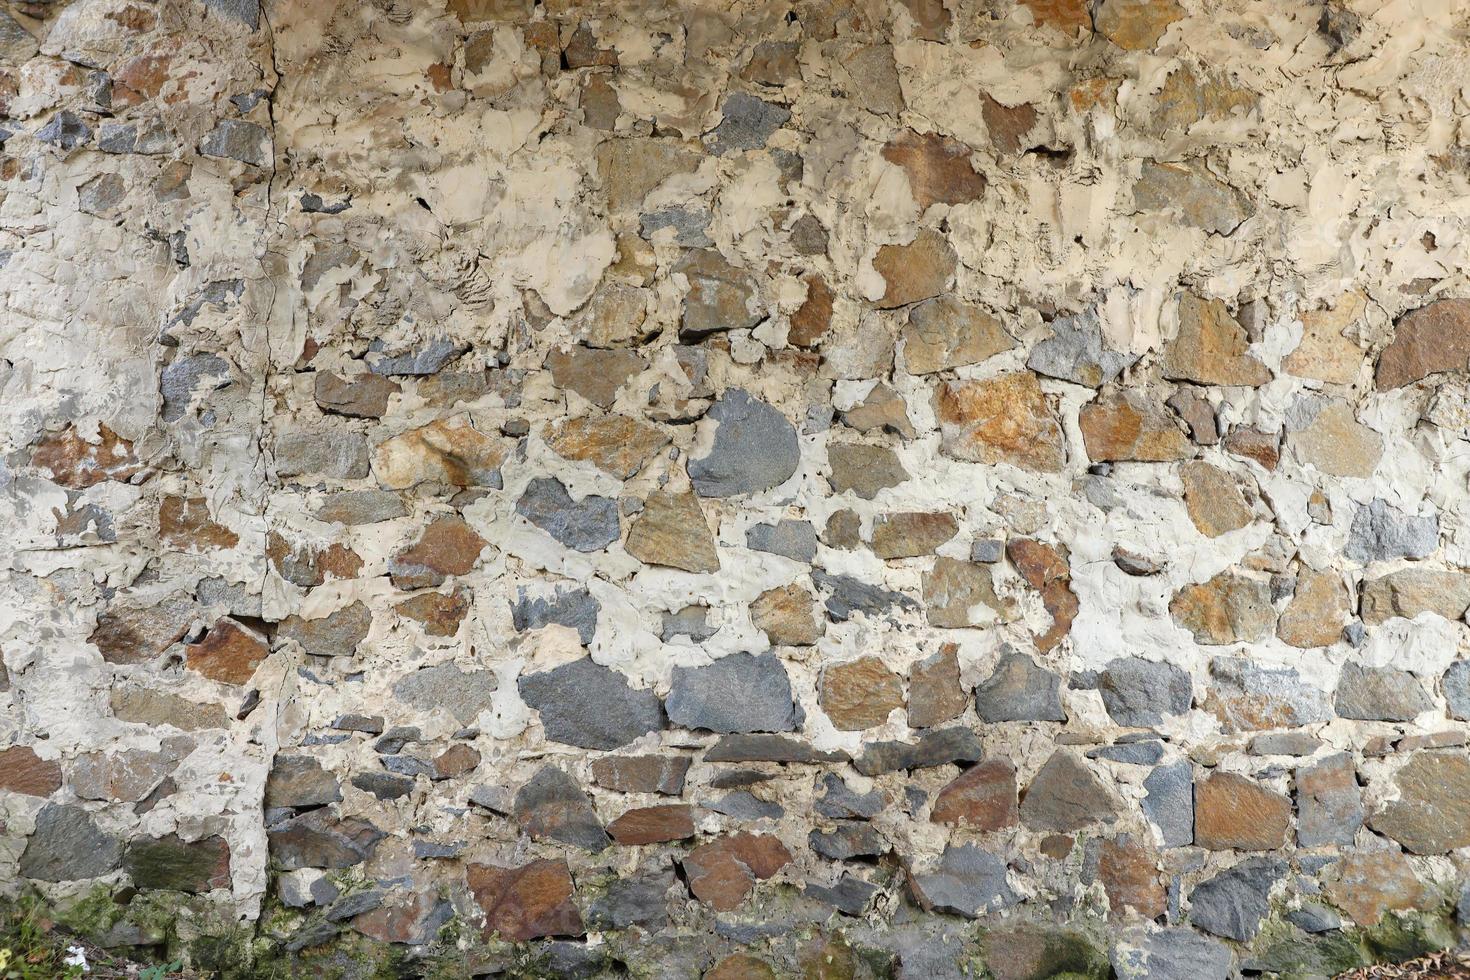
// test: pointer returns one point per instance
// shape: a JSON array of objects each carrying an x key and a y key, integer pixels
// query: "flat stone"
[
  {"x": 446, "y": 451},
  {"x": 1456, "y": 687},
  {"x": 934, "y": 748},
  {"x": 140, "y": 706},
  {"x": 1005, "y": 419},
  {"x": 787, "y": 616},
  {"x": 300, "y": 781},
  {"x": 228, "y": 653},
  {"x": 755, "y": 448},
  {"x": 616, "y": 315},
  {"x": 1430, "y": 340},
  {"x": 458, "y": 760},
  {"x": 721, "y": 296},
  {"x": 247, "y": 12},
  {"x": 1127, "y": 426},
  {"x": 672, "y": 530},
  {"x": 639, "y": 899},
  {"x": 1201, "y": 201},
  {"x": 317, "y": 839},
  {"x": 938, "y": 168},
  {"x": 981, "y": 798},
  {"x": 1019, "y": 690},
  {"x": 335, "y": 635},
  {"x": 67, "y": 845},
  {"x": 641, "y": 773},
  {"x": 1254, "y": 444},
  {"x": 462, "y": 693},
  {"x": 1198, "y": 413},
  {"x": 1328, "y": 801},
  {"x": 882, "y": 410},
  {"x": 363, "y": 396},
  {"x": 1214, "y": 500},
  {"x": 1318, "y": 610},
  {"x": 596, "y": 375},
  {"x": 72, "y": 461},
  {"x": 692, "y": 622},
  {"x": 357, "y": 507},
  {"x": 630, "y": 168},
  {"x": 1009, "y": 126},
  {"x": 916, "y": 271},
  {"x": 1066, "y": 795},
  {"x": 383, "y": 785},
  {"x": 1409, "y": 592},
  {"x": 1233, "y": 903},
  {"x": 1169, "y": 954},
  {"x": 746, "y": 123},
  {"x": 1325, "y": 354},
  {"x": 1129, "y": 753},
  {"x": 236, "y": 139},
  {"x": 585, "y": 704},
  {"x": 185, "y": 524},
  {"x": 1233, "y": 811},
  {"x": 438, "y": 613},
  {"x": 968, "y": 882},
  {"x": 1075, "y": 352},
  {"x": 724, "y": 871},
  {"x": 1381, "y": 532},
  {"x": 1229, "y": 608},
  {"x": 863, "y": 470},
  {"x": 1047, "y": 569},
  {"x": 1314, "y": 918},
  {"x": 841, "y": 802},
  {"x": 1295, "y": 744},
  {"x": 935, "y": 695},
  {"x": 1129, "y": 871},
  {"x": 739, "y": 692},
  {"x": 174, "y": 864},
  {"x": 1367, "y": 885},
  {"x": 946, "y": 333},
  {"x": 128, "y": 634},
  {"x": 1169, "y": 802},
  {"x": 616, "y": 444},
  {"x": 427, "y": 359},
  {"x": 768, "y": 748},
  {"x": 575, "y": 609},
  {"x": 859, "y": 694},
  {"x": 1138, "y": 693},
  {"x": 527, "y": 902},
  {"x": 447, "y": 547},
  {"x": 585, "y": 525},
  {"x": 850, "y": 896},
  {"x": 1248, "y": 696},
  {"x": 848, "y": 841},
  {"x": 1335, "y": 442},
  {"x": 130, "y": 776},
  {"x": 1211, "y": 347},
  {"x": 871, "y": 78},
  {"x": 812, "y": 321},
  {"x": 1380, "y": 694},
  {"x": 1432, "y": 812},
  {"x": 332, "y": 453},
  {"x": 24, "y": 772},
  {"x": 792, "y": 539},
  {"x": 189, "y": 376},
  {"x": 1066, "y": 16},
  {"x": 959, "y": 594},
  {"x": 553, "y": 807}
]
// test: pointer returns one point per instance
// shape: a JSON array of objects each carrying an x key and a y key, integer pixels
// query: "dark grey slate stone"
[
  {"x": 934, "y": 748},
  {"x": 1019, "y": 690},
  {"x": 1295, "y": 744},
  {"x": 396, "y": 738},
  {"x": 768, "y": 748},
  {"x": 429, "y": 359},
  {"x": 1233, "y": 902},
  {"x": 1456, "y": 684},
  {"x": 850, "y": 896},
  {"x": 847, "y": 840},
  {"x": 987, "y": 551},
  {"x": 1130, "y": 753},
  {"x": 637, "y": 900},
  {"x": 842, "y": 802},
  {"x": 236, "y": 139},
  {"x": 585, "y": 704},
  {"x": 690, "y": 226},
  {"x": 407, "y": 765},
  {"x": 755, "y": 448},
  {"x": 67, "y": 845},
  {"x": 575, "y": 609},
  {"x": 1169, "y": 802},
  {"x": 744, "y": 805},
  {"x": 65, "y": 130},
  {"x": 383, "y": 785},
  {"x": 968, "y": 882},
  {"x": 792, "y": 539},
  {"x": 746, "y": 123},
  {"x": 463, "y": 693},
  {"x": 1138, "y": 693},
  {"x": 585, "y": 525},
  {"x": 300, "y": 781},
  {"x": 1314, "y": 918},
  {"x": 740, "y": 692},
  {"x": 1329, "y": 802},
  {"x": 246, "y": 12},
  {"x": 850, "y": 595},
  {"x": 1380, "y": 694},
  {"x": 553, "y": 807},
  {"x": 1075, "y": 352},
  {"x": 1169, "y": 954},
  {"x": 691, "y": 621},
  {"x": 1381, "y": 532}
]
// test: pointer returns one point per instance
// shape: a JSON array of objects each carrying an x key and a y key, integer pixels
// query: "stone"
[
  {"x": 1047, "y": 569},
  {"x": 188, "y": 376},
  {"x": 691, "y": 622},
  {"x": 382, "y": 785},
  {"x": 1205, "y": 202},
  {"x": 911, "y": 534},
  {"x": 128, "y": 634},
  {"x": 768, "y": 748},
  {"x": 739, "y": 692},
  {"x": 1233, "y": 811},
  {"x": 968, "y": 881},
  {"x": 585, "y": 525},
  {"x": 1410, "y": 592},
  {"x": 641, "y": 773},
  {"x": 1169, "y": 803},
  {"x": 74, "y": 462},
  {"x": 1247, "y": 696},
  {"x": 945, "y": 333},
  {"x": 228, "y": 653},
  {"x": 721, "y": 296},
  {"x": 1254, "y": 444},
  {"x": 1169, "y": 954},
  {"x": 457, "y": 760},
  {"x": 1126, "y": 426},
  {"x": 174, "y": 864},
  {"x": 1198, "y": 413},
  {"x": 754, "y": 449},
  {"x": 1336, "y": 443},
  {"x": 1314, "y": 918},
  {"x": 438, "y": 613},
  {"x": 746, "y": 123},
  {"x": 67, "y": 845},
  {"x": 24, "y": 772},
  {"x": 1008, "y": 126},
  {"x": 447, "y": 547},
  {"x": 1066, "y": 16},
  {"x": 1138, "y": 693},
  {"x": 596, "y": 375},
  {"x": 246, "y": 12},
  {"x": 1005, "y": 419},
  {"x": 1229, "y": 608},
  {"x": 671, "y": 530},
  {"x": 357, "y": 507},
  {"x": 185, "y": 524},
  {"x": 916, "y": 271},
  {"x": 938, "y": 168},
  {"x": 335, "y": 454},
  {"x": 959, "y": 594},
  {"x": 1066, "y": 795},
  {"x": 787, "y": 616},
  {"x": 616, "y": 315},
  {"x": 428, "y": 359},
  {"x": 863, "y": 470},
  {"x": 1367, "y": 885},
  {"x": 446, "y": 451},
  {"x": 792, "y": 539},
  {"x": 575, "y": 609},
  {"x": 1329, "y": 804},
  {"x": 140, "y": 706},
  {"x": 618, "y": 445},
  {"x": 940, "y": 747},
  {"x": 1075, "y": 352},
  {"x": 1325, "y": 354},
  {"x": 462, "y": 693},
  {"x": 1130, "y": 753},
  {"x": 631, "y": 168},
  {"x": 982, "y": 798},
  {"x": 1381, "y": 532},
  {"x": 1019, "y": 690},
  {"x": 935, "y": 695},
  {"x": 585, "y": 704},
  {"x": 848, "y": 841},
  {"x": 1380, "y": 694},
  {"x": 859, "y": 694},
  {"x": 334, "y": 635},
  {"x": 1431, "y": 814},
  {"x": 850, "y": 895},
  {"x": 741, "y": 966},
  {"x": 812, "y": 320},
  {"x": 1213, "y": 498},
  {"x": 236, "y": 139},
  {"x": 1233, "y": 903},
  {"x": 724, "y": 871},
  {"x": 882, "y": 410},
  {"x": 1456, "y": 687},
  {"x": 1433, "y": 339},
  {"x": 1295, "y": 744},
  {"x": 689, "y": 227},
  {"x": 640, "y": 899},
  {"x": 1317, "y": 612},
  {"x": 300, "y": 781},
  {"x": 527, "y": 902},
  {"x": 552, "y": 807},
  {"x": 1129, "y": 872},
  {"x": 363, "y": 396},
  {"x": 841, "y": 802}
]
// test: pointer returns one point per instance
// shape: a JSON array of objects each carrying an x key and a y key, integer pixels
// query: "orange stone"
[
  {"x": 185, "y": 523},
  {"x": 653, "y": 824},
  {"x": 982, "y": 797},
  {"x": 724, "y": 871},
  {"x": 812, "y": 320},
  {"x": 1128, "y": 427},
  {"x": 1232, "y": 811},
  {"x": 528, "y": 902},
  {"x": 860, "y": 694},
  {"x": 438, "y": 613},
  {"x": 229, "y": 653},
  {"x": 77, "y": 464},
  {"x": 1005, "y": 419},
  {"x": 447, "y": 547}
]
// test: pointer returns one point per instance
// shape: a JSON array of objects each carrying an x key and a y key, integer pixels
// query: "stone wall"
[{"x": 768, "y": 487}]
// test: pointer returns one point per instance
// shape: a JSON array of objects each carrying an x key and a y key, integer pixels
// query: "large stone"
[
  {"x": 787, "y": 616},
  {"x": 526, "y": 902},
  {"x": 1409, "y": 592},
  {"x": 228, "y": 653},
  {"x": 672, "y": 530},
  {"x": 1136, "y": 25},
  {"x": 916, "y": 271},
  {"x": 585, "y": 704},
  {"x": 174, "y": 864},
  {"x": 334, "y": 635},
  {"x": 812, "y": 321},
  {"x": 1075, "y": 352},
  {"x": 363, "y": 396},
  {"x": 746, "y": 123},
  {"x": 67, "y": 845},
  {"x": 1381, "y": 532},
  {"x": 641, "y": 899},
  {"x": 863, "y": 470},
  {"x": 596, "y": 375},
  {"x": 1169, "y": 954},
  {"x": 1129, "y": 871},
  {"x": 426, "y": 359},
  {"x": 1229, "y": 608},
  {"x": 1318, "y": 610},
  {"x": 129, "y": 634},
  {"x": 439, "y": 613},
  {"x": 462, "y": 693},
  {"x": 959, "y": 594},
  {"x": 940, "y": 747},
  {"x": 615, "y": 316},
  {"x": 300, "y": 781},
  {"x": 184, "y": 523},
  {"x": 356, "y": 507},
  {"x": 1248, "y": 696},
  {"x": 847, "y": 841},
  {"x": 448, "y": 451},
  {"x": 859, "y": 694},
  {"x": 141, "y": 706},
  {"x": 586, "y": 525},
  {"x": 630, "y": 168},
  {"x": 1336, "y": 443},
  {"x": 981, "y": 798},
  {"x": 938, "y": 168},
  {"x": 24, "y": 772},
  {"x": 327, "y": 452},
  {"x": 1138, "y": 693},
  {"x": 642, "y": 773},
  {"x": 739, "y": 692},
  {"x": 1324, "y": 353},
  {"x": 447, "y": 547},
  {"x": 1202, "y": 201},
  {"x": 1005, "y": 419},
  {"x": 237, "y": 139},
  {"x": 945, "y": 333},
  {"x": 1169, "y": 802},
  {"x": 1127, "y": 426},
  {"x": 768, "y": 748},
  {"x": 71, "y": 460},
  {"x": 968, "y": 882},
  {"x": 1380, "y": 694},
  {"x": 1366, "y": 885},
  {"x": 755, "y": 448},
  {"x": 1019, "y": 690},
  {"x": 653, "y": 825},
  {"x": 724, "y": 871},
  {"x": 1432, "y": 812},
  {"x": 1233, "y": 811},
  {"x": 1329, "y": 804},
  {"x": 1213, "y": 498},
  {"x": 1430, "y": 340},
  {"x": 1066, "y": 795},
  {"x": 935, "y": 694},
  {"x": 616, "y": 444},
  {"x": 721, "y": 296},
  {"x": 552, "y": 807},
  {"x": 1066, "y": 16},
  {"x": 911, "y": 534},
  {"x": 317, "y": 839},
  {"x": 1233, "y": 903}
]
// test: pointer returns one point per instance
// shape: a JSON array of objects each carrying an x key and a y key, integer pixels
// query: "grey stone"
[
  {"x": 740, "y": 692},
  {"x": 1066, "y": 795},
  {"x": 637, "y": 900},
  {"x": 1019, "y": 690},
  {"x": 850, "y": 595},
  {"x": 841, "y": 802},
  {"x": 396, "y": 738},
  {"x": 496, "y": 799},
  {"x": 463, "y": 693},
  {"x": 1329, "y": 803},
  {"x": 357, "y": 507},
  {"x": 585, "y": 704},
  {"x": 1169, "y": 954},
  {"x": 792, "y": 539},
  {"x": 429, "y": 359},
  {"x": 691, "y": 621},
  {"x": 968, "y": 882},
  {"x": 746, "y": 124},
  {"x": 1462, "y": 907},
  {"x": 236, "y": 139},
  {"x": 987, "y": 551},
  {"x": 768, "y": 748},
  {"x": 67, "y": 845},
  {"x": 690, "y": 226},
  {"x": 101, "y": 194},
  {"x": 553, "y": 807},
  {"x": 1314, "y": 918},
  {"x": 585, "y": 525},
  {"x": 1169, "y": 802},
  {"x": 337, "y": 454},
  {"x": 1075, "y": 352},
  {"x": 383, "y": 785},
  {"x": 848, "y": 840},
  {"x": 1246, "y": 696},
  {"x": 65, "y": 130},
  {"x": 1233, "y": 902},
  {"x": 407, "y": 765},
  {"x": 850, "y": 896},
  {"x": 17, "y": 46},
  {"x": 575, "y": 609},
  {"x": 1296, "y": 744},
  {"x": 934, "y": 748},
  {"x": 1133, "y": 753},
  {"x": 187, "y": 375},
  {"x": 300, "y": 781},
  {"x": 1138, "y": 693},
  {"x": 246, "y": 12},
  {"x": 744, "y": 805},
  {"x": 318, "y": 839},
  {"x": 1456, "y": 684},
  {"x": 1382, "y": 533},
  {"x": 355, "y": 904},
  {"x": 336, "y": 635},
  {"x": 755, "y": 448},
  {"x": 1380, "y": 694}
]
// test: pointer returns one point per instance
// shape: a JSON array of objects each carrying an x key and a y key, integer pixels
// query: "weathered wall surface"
[{"x": 655, "y": 485}]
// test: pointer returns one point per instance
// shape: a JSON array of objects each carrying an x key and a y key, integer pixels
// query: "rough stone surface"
[
  {"x": 1066, "y": 795},
  {"x": 945, "y": 333},
  {"x": 754, "y": 449},
  {"x": 1234, "y": 811},
  {"x": 588, "y": 524},
  {"x": 1139, "y": 693},
  {"x": 1233, "y": 902},
  {"x": 1381, "y": 532},
  {"x": 740, "y": 692},
  {"x": 1019, "y": 690},
  {"x": 860, "y": 694},
  {"x": 585, "y": 704},
  {"x": 1432, "y": 812},
  {"x": 1329, "y": 804},
  {"x": 1379, "y": 694},
  {"x": 1003, "y": 420}
]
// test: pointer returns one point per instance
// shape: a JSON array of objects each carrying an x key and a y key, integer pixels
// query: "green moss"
[
  {"x": 1405, "y": 935},
  {"x": 1283, "y": 950},
  {"x": 93, "y": 915}
]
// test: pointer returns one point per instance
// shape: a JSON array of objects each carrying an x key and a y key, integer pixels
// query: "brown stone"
[
  {"x": 741, "y": 966},
  {"x": 616, "y": 444},
  {"x": 1008, "y": 126},
  {"x": 935, "y": 694},
  {"x": 860, "y": 694},
  {"x": 630, "y": 168},
  {"x": 439, "y": 613},
  {"x": 600, "y": 105},
  {"x": 653, "y": 824},
  {"x": 720, "y": 296},
  {"x": 1432, "y": 812},
  {"x": 981, "y": 798},
  {"x": 1411, "y": 591},
  {"x": 912, "y": 534},
  {"x": 915, "y": 271},
  {"x": 1186, "y": 98},
  {"x": 1336, "y": 443},
  {"x": 1129, "y": 871},
  {"x": 596, "y": 375},
  {"x": 1136, "y": 25},
  {"x": 306, "y": 566},
  {"x": 74, "y": 462},
  {"x": 1254, "y": 444},
  {"x": 724, "y": 871},
  {"x": 1047, "y": 570},
  {"x": 843, "y": 529},
  {"x": 447, "y": 547},
  {"x": 1233, "y": 811},
  {"x": 1329, "y": 804},
  {"x": 1127, "y": 426},
  {"x": 1366, "y": 885},
  {"x": 528, "y": 902},
  {"x": 945, "y": 333},
  {"x": 1213, "y": 498},
  {"x": 931, "y": 19},
  {"x": 959, "y": 594},
  {"x": 1429, "y": 340},
  {"x": 447, "y": 451},
  {"x": 938, "y": 168},
  {"x": 1066, "y": 796},
  {"x": 1317, "y": 612},
  {"x": 1195, "y": 409},
  {"x": 133, "y": 635},
  {"x": 229, "y": 653},
  {"x": 457, "y": 760},
  {"x": 1005, "y": 419},
  {"x": 141, "y": 706},
  {"x": 1199, "y": 198},
  {"x": 1229, "y": 608},
  {"x": 123, "y": 777},
  {"x": 1210, "y": 347},
  {"x": 22, "y": 771},
  {"x": 1324, "y": 353},
  {"x": 615, "y": 316},
  {"x": 672, "y": 531},
  {"x": 813, "y": 319},
  {"x": 772, "y": 63},
  {"x": 363, "y": 396},
  {"x": 641, "y": 773},
  {"x": 1067, "y": 16},
  {"x": 787, "y": 615},
  {"x": 184, "y": 523},
  {"x": 863, "y": 469},
  {"x": 883, "y": 410}
]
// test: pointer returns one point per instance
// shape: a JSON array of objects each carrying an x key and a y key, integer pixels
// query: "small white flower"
[{"x": 76, "y": 956}]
